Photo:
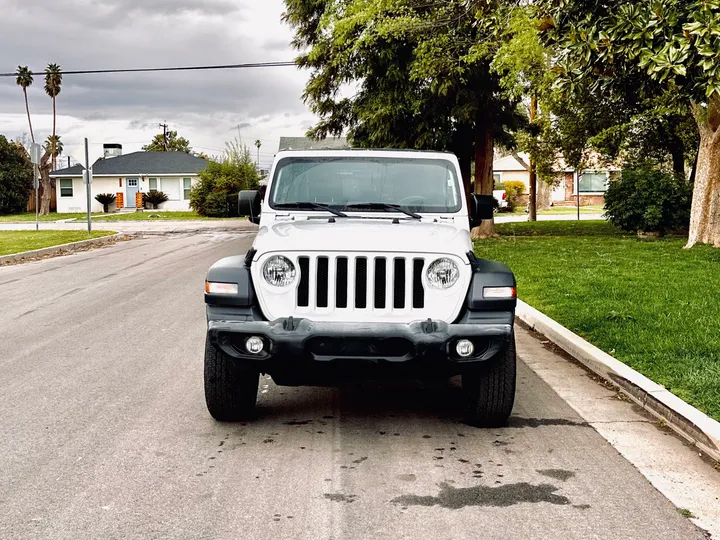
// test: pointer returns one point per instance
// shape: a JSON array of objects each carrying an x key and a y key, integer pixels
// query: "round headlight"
[
  {"x": 279, "y": 271},
  {"x": 443, "y": 274}
]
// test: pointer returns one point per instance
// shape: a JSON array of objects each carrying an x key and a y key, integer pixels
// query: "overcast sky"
[{"x": 205, "y": 107}]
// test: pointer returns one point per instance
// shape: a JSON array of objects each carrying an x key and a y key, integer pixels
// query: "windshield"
[{"x": 420, "y": 185}]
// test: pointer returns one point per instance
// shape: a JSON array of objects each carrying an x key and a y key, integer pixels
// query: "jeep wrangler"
[{"x": 362, "y": 267}]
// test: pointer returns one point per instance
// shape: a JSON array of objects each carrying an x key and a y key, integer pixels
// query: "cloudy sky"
[{"x": 206, "y": 107}]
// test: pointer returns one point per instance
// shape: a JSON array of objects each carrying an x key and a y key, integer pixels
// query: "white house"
[{"x": 173, "y": 173}]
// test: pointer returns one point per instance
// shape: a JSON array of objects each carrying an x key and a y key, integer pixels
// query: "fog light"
[
  {"x": 465, "y": 348},
  {"x": 254, "y": 345}
]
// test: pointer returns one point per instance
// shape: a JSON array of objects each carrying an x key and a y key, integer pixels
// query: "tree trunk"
[
  {"x": 45, "y": 184},
  {"x": 484, "y": 147},
  {"x": 532, "y": 212},
  {"x": 678, "y": 158},
  {"x": 705, "y": 215},
  {"x": 27, "y": 109},
  {"x": 54, "y": 150}
]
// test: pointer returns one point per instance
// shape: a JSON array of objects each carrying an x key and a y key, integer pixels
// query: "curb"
[
  {"x": 690, "y": 423},
  {"x": 62, "y": 248}
]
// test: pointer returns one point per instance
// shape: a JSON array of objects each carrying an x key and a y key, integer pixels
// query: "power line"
[{"x": 179, "y": 68}]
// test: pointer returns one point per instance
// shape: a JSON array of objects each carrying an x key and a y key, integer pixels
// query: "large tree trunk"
[
  {"x": 532, "y": 203},
  {"x": 705, "y": 216},
  {"x": 46, "y": 191},
  {"x": 484, "y": 149},
  {"x": 27, "y": 109}
]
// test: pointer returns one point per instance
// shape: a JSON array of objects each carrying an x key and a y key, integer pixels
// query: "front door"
[{"x": 130, "y": 191}]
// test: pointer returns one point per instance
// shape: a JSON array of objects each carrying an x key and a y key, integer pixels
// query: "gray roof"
[
  {"x": 306, "y": 143},
  {"x": 141, "y": 163}
]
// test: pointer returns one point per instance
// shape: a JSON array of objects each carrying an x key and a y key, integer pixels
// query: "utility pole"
[
  {"x": 165, "y": 139},
  {"x": 532, "y": 214},
  {"x": 88, "y": 182},
  {"x": 258, "y": 144}
]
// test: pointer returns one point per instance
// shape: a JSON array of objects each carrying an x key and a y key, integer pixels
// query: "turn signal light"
[
  {"x": 499, "y": 292},
  {"x": 213, "y": 287}
]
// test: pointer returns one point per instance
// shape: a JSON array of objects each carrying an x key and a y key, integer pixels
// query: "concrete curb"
[
  {"x": 687, "y": 421},
  {"x": 62, "y": 248}
]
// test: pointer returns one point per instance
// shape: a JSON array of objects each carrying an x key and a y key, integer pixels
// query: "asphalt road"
[{"x": 104, "y": 432}]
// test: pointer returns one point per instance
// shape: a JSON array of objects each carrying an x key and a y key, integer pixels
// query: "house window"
[
  {"x": 593, "y": 182},
  {"x": 171, "y": 188},
  {"x": 187, "y": 186},
  {"x": 152, "y": 184},
  {"x": 66, "y": 187}
]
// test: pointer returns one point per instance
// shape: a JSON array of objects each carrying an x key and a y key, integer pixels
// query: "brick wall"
[
  {"x": 138, "y": 200},
  {"x": 119, "y": 200}
]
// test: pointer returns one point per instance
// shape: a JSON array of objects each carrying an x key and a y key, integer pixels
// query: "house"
[
  {"x": 592, "y": 182},
  {"x": 128, "y": 176},
  {"x": 306, "y": 143}
]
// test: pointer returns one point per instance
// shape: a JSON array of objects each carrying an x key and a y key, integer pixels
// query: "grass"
[
  {"x": 649, "y": 303},
  {"x": 157, "y": 215},
  {"x": 18, "y": 241}
]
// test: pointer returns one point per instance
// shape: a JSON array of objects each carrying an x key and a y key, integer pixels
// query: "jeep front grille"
[{"x": 361, "y": 282}]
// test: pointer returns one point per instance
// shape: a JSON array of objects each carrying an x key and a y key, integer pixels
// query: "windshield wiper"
[
  {"x": 383, "y": 206},
  {"x": 308, "y": 205}
]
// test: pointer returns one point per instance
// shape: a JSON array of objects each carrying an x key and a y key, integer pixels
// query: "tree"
[
  {"x": 173, "y": 143},
  {"x": 671, "y": 50},
  {"x": 54, "y": 146},
  {"x": 422, "y": 75},
  {"x": 221, "y": 181},
  {"x": 258, "y": 144},
  {"x": 16, "y": 177},
  {"x": 24, "y": 80},
  {"x": 53, "y": 84}
]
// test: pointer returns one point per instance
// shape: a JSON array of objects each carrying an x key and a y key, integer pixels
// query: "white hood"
[{"x": 363, "y": 235}]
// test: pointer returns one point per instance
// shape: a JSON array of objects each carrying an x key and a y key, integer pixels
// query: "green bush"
[
  {"x": 154, "y": 198},
  {"x": 645, "y": 199},
  {"x": 499, "y": 185},
  {"x": 513, "y": 189},
  {"x": 106, "y": 199},
  {"x": 221, "y": 182},
  {"x": 16, "y": 177}
]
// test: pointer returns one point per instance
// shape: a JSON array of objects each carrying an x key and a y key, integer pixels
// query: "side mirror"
[
  {"x": 249, "y": 205},
  {"x": 481, "y": 208}
]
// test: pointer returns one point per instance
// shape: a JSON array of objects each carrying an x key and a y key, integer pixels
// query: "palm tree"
[
  {"x": 258, "y": 144},
  {"x": 25, "y": 79},
  {"x": 54, "y": 146},
  {"x": 53, "y": 82}
]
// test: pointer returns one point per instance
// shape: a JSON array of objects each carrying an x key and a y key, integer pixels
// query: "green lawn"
[
  {"x": 147, "y": 215},
  {"x": 18, "y": 241},
  {"x": 649, "y": 303}
]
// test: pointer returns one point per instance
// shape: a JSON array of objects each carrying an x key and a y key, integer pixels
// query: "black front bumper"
[{"x": 300, "y": 344}]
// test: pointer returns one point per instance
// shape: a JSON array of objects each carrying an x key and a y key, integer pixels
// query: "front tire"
[
  {"x": 489, "y": 390},
  {"x": 230, "y": 392}
]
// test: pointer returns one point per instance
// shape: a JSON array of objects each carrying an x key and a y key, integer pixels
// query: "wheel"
[
  {"x": 230, "y": 391},
  {"x": 489, "y": 390}
]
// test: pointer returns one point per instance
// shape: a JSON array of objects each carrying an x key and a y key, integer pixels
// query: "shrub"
[
  {"x": 646, "y": 199},
  {"x": 16, "y": 177},
  {"x": 106, "y": 199},
  {"x": 513, "y": 189},
  {"x": 499, "y": 185},
  {"x": 154, "y": 198},
  {"x": 221, "y": 182}
]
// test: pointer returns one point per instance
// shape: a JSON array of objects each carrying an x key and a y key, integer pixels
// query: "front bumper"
[{"x": 292, "y": 343}]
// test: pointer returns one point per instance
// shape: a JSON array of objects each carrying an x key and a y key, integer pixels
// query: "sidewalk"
[{"x": 187, "y": 226}]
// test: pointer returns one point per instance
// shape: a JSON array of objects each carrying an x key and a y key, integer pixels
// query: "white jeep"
[{"x": 362, "y": 267}]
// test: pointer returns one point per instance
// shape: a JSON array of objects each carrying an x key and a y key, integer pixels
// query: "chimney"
[{"x": 111, "y": 150}]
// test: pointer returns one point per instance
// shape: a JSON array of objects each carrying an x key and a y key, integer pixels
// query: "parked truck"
[{"x": 362, "y": 267}]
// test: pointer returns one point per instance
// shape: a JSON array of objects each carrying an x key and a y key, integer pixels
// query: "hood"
[{"x": 363, "y": 235}]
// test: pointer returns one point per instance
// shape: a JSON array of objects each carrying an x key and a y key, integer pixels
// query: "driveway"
[
  {"x": 142, "y": 227},
  {"x": 104, "y": 431}
]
